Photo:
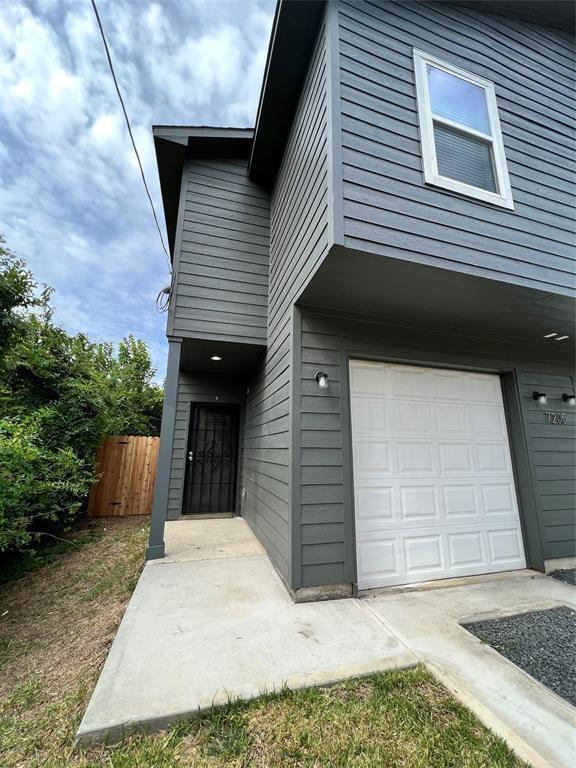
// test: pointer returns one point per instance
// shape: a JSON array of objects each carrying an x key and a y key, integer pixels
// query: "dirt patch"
[{"x": 57, "y": 623}]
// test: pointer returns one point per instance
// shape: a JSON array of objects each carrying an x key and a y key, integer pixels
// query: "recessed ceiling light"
[
  {"x": 215, "y": 357},
  {"x": 561, "y": 338},
  {"x": 550, "y": 335}
]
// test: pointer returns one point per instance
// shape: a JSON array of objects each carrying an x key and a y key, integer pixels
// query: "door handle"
[{"x": 190, "y": 455}]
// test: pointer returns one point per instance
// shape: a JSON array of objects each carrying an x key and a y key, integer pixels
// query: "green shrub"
[
  {"x": 60, "y": 394},
  {"x": 41, "y": 488}
]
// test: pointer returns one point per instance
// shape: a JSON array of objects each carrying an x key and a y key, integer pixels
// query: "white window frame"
[{"x": 503, "y": 197}]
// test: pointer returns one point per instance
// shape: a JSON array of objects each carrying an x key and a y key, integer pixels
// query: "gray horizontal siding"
[
  {"x": 389, "y": 210},
  {"x": 194, "y": 388},
  {"x": 298, "y": 241},
  {"x": 221, "y": 288},
  {"x": 552, "y": 452},
  {"x": 326, "y": 342}
]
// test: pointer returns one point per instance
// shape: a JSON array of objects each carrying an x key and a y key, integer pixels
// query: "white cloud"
[{"x": 71, "y": 197}]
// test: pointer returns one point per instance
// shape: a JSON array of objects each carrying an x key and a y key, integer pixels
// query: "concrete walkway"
[
  {"x": 539, "y": 725},
  {"x": 212, "y": 622}
]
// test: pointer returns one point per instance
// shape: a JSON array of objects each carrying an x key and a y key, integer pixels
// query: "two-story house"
[{"x": 371, "y": 328}]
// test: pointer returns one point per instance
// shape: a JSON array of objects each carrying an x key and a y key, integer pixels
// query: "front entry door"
[{"x": 211, "y": 460}]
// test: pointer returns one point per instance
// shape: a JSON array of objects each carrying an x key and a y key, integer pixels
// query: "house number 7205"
[{"x": 555, "y": 417}]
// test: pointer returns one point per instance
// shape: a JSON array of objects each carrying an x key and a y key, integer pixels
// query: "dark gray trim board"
[
  {"x": 525, "y": 491},
  {"x": 334, "y": 108},
  {"x": 295, "y": 455},
  {"x": 175, "y": 249},
  {"x": 161, "y": 489}
]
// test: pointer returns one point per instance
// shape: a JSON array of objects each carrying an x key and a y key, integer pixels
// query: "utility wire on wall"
[{"x": 133, "y": 142}]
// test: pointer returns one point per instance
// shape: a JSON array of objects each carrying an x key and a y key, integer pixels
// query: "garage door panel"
[
  {"x": 484, "y": 388},
  {"x": 451, "y": 420},
  {"x": 409, "y": 418},
  {"x": 418, "y": 503},
  {"x": 454, "y": 458},
  {"x": 372, "y": 456},
  {"x": 415, "y": 457},
  {"x": 487, "y": 421},
  {"x": 505, "y": 546},
  {"x": 379, "y": 560},
  {"x": 434, "y": 491},
  {"x": 369, "y": 379},
  {"x": 370, "y": 415},
  {"x": 373, "y": 504},
  {"x": 447, "y": 385},
  {"x": 460, "y": 501},
  {"x": 499, "y": 499},
  {"x": 408, "y": 382},
  {"x": 423, "y": 554},
  {"x": 465, "y": 549},
  {"x": 492, "y": 458}
]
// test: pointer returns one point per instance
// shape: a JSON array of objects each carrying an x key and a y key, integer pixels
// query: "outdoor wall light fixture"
[
  {"x": 569, "y": 400},
  {"x": 215, "y": 358},
  {"x": 322, "y": 379},
  {"x": 542, "y": 397}
]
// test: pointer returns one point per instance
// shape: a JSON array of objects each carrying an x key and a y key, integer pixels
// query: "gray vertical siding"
[
  {"x": 194, "y": 388},
  {"x": 221, "y": 265},
  {"x": 552, "y": 453},
  {"x": 388, "y": 209},
  {"x": 327, "y": 516},
  {"x": 298, "y": 241}
]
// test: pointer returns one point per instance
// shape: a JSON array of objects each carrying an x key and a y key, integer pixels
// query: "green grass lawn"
[{"x": 57, "y": 623}]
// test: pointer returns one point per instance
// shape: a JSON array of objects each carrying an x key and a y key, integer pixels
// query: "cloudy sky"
[{"x": 72, "y": 203}]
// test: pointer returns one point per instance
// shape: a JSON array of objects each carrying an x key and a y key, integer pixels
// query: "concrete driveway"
[
  {"x": 212, "y": 621},
  {"x": 539, "y": 725}
]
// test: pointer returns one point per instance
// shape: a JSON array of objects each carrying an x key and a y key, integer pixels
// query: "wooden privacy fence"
[{"x": 127, "y": 469}]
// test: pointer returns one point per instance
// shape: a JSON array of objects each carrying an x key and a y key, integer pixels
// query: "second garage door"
[{"x": 433, "y": 485}]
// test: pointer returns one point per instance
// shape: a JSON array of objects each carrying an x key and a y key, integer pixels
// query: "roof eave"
[{"x": 294, "y": 31}]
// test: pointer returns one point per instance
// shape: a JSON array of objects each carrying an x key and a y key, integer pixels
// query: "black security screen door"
[{"x": 211, "y": 460}]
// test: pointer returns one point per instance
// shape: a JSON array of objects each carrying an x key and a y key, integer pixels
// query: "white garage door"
[{"x": 433, "y": 485}]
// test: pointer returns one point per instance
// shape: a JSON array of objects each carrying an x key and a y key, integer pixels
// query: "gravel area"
[
  {"x": 541, "y": 643},
  {"x": 567, "y": 575}
]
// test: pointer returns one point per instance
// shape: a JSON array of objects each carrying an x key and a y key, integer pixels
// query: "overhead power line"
[{"x": 130, "y": 131}]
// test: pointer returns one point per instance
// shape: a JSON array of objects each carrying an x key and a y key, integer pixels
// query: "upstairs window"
[{"x": 462, "y": 145}]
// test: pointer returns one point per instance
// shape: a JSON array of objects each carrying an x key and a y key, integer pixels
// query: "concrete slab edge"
[
  {"x": 559, "y": 564},
  {"x": 116, "y": 732},
  {"x": 463, "y": 581},
  {"x": 317, "y": 594},
  {"x": 520, "y": 748},
  {"x": 502, "y": 613}
]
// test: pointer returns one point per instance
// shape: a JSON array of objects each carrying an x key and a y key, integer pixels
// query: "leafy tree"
[
  {"x": 17, "y": 291},
  {"x": 137, "y": 402},
  {"x": 60, "y": 394}
]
